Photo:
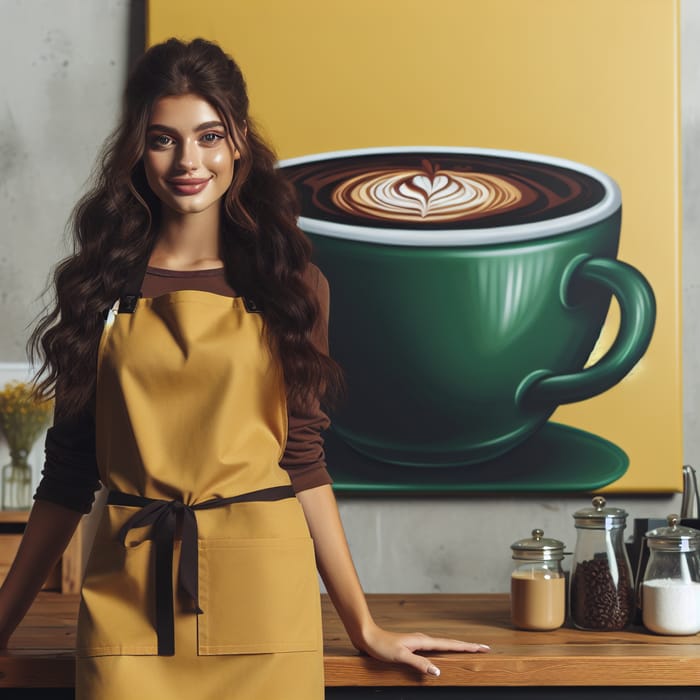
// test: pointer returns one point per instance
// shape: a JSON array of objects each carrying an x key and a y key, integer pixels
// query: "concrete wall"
[{"x": 60, "y": 81}]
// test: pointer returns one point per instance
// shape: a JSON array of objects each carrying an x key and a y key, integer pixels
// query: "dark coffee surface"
[{"x": 430, "y": 190}]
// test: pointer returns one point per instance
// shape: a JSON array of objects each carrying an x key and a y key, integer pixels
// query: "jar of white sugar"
[{"x": 671, "y": 585}]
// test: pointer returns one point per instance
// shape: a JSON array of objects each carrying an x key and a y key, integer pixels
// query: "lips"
[{"x": 188, "y": 186}]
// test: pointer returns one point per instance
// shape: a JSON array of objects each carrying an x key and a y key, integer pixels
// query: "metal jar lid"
[
  {"x": 538, "y": 548},
  {"x": 599, "y": 517},
  {"x": 674, "y": 538}
]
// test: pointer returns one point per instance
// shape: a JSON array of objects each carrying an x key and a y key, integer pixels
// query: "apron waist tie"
[{"x": 161, "y": 515}]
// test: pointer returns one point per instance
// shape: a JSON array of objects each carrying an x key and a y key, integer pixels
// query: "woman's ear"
[{"x": 236, "y": 152}]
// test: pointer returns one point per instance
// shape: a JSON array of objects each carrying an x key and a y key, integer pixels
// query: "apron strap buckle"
[{"x": 127, "y": 303}]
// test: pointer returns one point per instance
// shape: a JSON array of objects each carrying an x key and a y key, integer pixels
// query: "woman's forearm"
[
  {"x": 335, "y": 562},
  {"x": 47, "y": 534},
  {"x": 338, "y": 573}
]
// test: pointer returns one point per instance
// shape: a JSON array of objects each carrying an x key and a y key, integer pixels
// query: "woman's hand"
[{"x": 400, "y": 648}]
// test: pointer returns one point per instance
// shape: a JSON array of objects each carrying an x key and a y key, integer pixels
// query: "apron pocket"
[
  {"x": 258, "y": 596},
  {"x": 116, "y": 607}
]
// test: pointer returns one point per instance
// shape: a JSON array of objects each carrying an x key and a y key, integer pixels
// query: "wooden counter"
[{"x": 41, "y": 654}]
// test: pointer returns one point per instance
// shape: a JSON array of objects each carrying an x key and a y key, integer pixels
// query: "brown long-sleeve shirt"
[{"x": 70, "y": 476}]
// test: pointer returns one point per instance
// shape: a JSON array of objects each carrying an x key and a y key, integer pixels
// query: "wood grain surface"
[{"x": 41, "y": 653}]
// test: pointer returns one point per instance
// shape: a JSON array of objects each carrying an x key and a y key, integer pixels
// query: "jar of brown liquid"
[
  {"x": 601, "y": 587},
  {"x": 537, "y": 584}
]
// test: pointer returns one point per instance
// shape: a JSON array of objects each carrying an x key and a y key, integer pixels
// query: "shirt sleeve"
[
  {"x": 304, "y": 457},
  {"x": 70, "y": 476}
]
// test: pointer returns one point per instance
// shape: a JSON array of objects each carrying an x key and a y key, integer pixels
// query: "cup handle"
[{"x": 637, "y": 316}]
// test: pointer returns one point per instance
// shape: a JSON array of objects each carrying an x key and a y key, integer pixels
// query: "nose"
[{"x": 188, "y": 156}]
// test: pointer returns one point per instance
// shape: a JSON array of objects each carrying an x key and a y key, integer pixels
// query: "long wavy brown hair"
[{"x": 114, "y": 227}]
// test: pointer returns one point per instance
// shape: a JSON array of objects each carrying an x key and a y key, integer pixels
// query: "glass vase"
[{"x": 17, "y": 482}]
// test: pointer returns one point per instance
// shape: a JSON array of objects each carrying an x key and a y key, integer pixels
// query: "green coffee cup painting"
[
  {"x": 493, "y": 192},
  {"x": 469, "y": 289}
]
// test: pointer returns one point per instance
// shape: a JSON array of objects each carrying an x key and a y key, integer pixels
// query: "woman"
[{"x": 194, "y": 399}]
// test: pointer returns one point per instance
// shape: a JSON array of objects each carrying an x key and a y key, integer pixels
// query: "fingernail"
[
  {"x": 484, "y": 646},
  {"x": 434, "y": 670}
]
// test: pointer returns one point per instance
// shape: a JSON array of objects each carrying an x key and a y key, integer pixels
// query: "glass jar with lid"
[
  {"x": 670, "y": 590},
  {"x": 537, "y": 584},
  {"x": 601, "y": 595}
]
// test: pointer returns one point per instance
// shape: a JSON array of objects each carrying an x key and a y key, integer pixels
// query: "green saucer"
[{"x": 557, "y": 458}]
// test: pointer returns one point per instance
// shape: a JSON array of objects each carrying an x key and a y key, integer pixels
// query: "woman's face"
[{"x": 189, "y": 155}]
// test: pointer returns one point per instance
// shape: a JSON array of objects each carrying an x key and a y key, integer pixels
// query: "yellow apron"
[{"x": 201, "y": 582}]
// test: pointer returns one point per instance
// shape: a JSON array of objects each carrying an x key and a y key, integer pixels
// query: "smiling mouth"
[{"x": 189, "y": 186}]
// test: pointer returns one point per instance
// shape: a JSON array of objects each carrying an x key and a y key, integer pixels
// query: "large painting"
[{"x": 492, "y": 189}]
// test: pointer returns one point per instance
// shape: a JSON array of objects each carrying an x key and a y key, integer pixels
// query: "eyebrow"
[{"x": 202, "y": 127}]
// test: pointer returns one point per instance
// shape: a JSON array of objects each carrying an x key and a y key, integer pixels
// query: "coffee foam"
[{"x": 429, "y": 194}]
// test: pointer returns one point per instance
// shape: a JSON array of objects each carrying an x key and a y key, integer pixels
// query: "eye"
[
  {"x": 160, "y": 141},
  {"x": 211, "y": 138}
]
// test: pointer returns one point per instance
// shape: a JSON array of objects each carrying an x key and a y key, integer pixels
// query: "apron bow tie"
[{"x": 162, "y": 516}]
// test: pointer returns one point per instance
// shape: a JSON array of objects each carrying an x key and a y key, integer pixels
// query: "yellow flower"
[{"x": 22, "y": 417}]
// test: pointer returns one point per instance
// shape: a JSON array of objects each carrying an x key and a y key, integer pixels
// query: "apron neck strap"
[
  {"x": 132, "y": 288},
  {"x": 132, "y": 291}
]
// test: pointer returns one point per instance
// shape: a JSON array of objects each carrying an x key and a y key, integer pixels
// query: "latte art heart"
[
  {"x": 427, "y": 191},
  {"x": 422, "y": 195}
]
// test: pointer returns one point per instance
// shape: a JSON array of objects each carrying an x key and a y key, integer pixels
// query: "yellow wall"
[{"x": 594, "y": 81}]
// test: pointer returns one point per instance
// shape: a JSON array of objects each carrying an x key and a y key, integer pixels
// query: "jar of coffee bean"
[{"x": 601, "y": 595}]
